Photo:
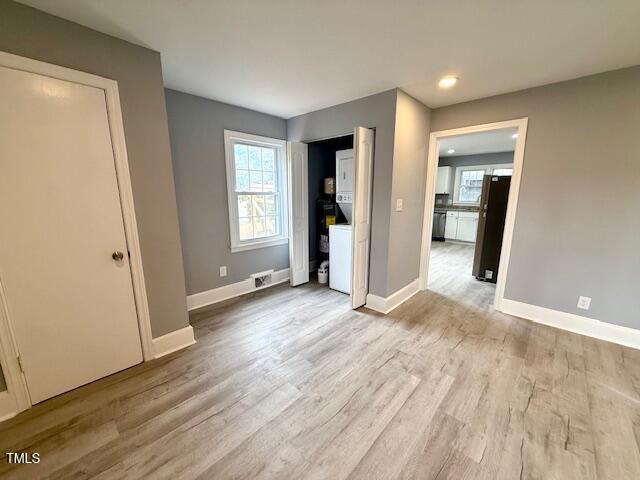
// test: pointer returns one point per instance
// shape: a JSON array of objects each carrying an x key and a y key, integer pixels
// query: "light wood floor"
[
  {"x": 290, "y": 383},
  {"x": 450, "y": 266}
]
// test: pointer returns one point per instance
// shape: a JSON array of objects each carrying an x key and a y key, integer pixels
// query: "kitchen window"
[
  {"x": 468, "y": 181},
  {"x": 256, "y": 190}
]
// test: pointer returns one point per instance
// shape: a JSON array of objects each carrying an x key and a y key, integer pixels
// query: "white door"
[
  {"x": 70, "y": 303},
  {"x": 363, "y": 179},
  {"x": 298, "y": 213}
]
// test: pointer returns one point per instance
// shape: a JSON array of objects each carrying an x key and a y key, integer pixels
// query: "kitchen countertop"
[{"x": 455, "y": 208}]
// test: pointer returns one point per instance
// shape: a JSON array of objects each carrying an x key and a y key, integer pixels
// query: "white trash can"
[{"x": 323, "y": 272}]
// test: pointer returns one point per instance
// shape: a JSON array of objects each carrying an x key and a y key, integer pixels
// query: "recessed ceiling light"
[
  {"x": 448, "y": 81},
  {"x": 451, "y": 150},
  {"x": 515, "y": 135}
]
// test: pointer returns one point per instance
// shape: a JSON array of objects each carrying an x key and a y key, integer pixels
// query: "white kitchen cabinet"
[
  {"x": 467, "y": 226},
  {"x": 443, "y": 180},
  {"x": 461, "y": 226},
  {"x": 451, "y": 226}
]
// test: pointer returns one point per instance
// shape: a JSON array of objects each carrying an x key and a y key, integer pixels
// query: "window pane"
[
  {"x": 244, "y": 205},
  {"x": 271, "y": 226},
  {"x": 258, "y": 206},
  {"x": 242, "y": 181},
  {"x": 254, "y": 158},
  {"x": 259, "y": 226},
  {"x": 268, "y": 159},
  {"x": 268, "y": 182},
  {"x": 246, "y": 229},
  {"x": 240, "y": 155},
  {"x": 471, "y": 185},
  {"x": 270, "y": 204},
  {"x": 503, "y": 171},
  {"x": 255, "y": 181}
]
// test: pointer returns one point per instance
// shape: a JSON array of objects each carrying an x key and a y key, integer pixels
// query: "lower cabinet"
[
  {"x": 461, "y": 226},
  {"x": 451, "y": 226},
  {"x": 467, "y": 228}
]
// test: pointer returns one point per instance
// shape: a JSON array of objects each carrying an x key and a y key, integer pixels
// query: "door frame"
[
  {"x": 512, "y": 204},
  {"x": 15, "y": 380},
  {"x": 353, "y": 134}
]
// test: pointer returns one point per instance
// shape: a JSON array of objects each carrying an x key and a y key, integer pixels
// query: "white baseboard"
[
  {"x": 385, "y": 305},
  {"x": 173, "y": 341},
  {"x": 8, "y": 407},
  {"x": 589, "y": 327},
  {"x": 202, "y": 299}
]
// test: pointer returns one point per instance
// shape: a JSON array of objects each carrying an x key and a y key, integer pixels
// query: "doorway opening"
[
  {"x": 330, "y": 212},
  {"x": 473, "y": 180}
]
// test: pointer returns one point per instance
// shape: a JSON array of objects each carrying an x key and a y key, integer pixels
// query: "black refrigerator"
[{"x": 493, "y": 211}]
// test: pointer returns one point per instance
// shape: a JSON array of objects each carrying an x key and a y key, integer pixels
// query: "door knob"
[{"x": 117, "y": 256}]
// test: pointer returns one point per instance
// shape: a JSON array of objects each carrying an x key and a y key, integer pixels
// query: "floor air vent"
[{"x": 262, "y": 279}]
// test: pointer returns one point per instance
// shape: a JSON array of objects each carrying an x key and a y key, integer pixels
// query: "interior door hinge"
[{"x": 20, "y": 364}]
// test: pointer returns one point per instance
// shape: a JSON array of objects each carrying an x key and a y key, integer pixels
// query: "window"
[
  {"x": 468, "y": 181},
  {"x": 470, "y": 186},
  {"x": 257, "y": 190}
]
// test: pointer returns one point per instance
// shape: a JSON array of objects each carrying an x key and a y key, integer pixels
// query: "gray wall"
[
  {"x": 374, "y": 111},
  {"x": 34, "y": 34},
  {"x": 409, "y": 171},
  {"x": 469, "y": 160},
  {"x": 577, "y": 228},
  {"x": 196, "y": 128}
]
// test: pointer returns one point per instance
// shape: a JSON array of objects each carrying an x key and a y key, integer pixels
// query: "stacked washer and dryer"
[{"x": 340, "y": 234}]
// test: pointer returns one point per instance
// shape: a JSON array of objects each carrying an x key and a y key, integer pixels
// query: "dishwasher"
[{"x": 439, "y": 223}]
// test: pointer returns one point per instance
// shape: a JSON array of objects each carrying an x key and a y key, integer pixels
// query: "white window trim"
[
  {"x": 230, "y": 138},
  {"x": 488, "y": 170}
]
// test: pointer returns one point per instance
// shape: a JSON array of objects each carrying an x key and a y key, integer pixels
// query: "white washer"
[{"x": 340, "y": 258}]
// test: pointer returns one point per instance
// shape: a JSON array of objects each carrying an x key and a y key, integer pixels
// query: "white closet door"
[
  {"x": 298, "y": 213},
  {"x": 363, "y": 178},
  {"x": 70, "y": 303}
]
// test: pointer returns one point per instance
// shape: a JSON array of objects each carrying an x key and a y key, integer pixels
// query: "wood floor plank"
[{"x": 401, "y": 438}]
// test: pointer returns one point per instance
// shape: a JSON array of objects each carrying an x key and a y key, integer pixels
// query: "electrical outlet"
[
  {"x": 223, "y": 271},
  {"x": 584, "y": 302},
  {"x": 399, "y": 205}
]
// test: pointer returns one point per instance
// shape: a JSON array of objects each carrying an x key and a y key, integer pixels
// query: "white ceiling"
[
  {"x": 475, "y": 143},
  {"x": 288, "y": 57}
]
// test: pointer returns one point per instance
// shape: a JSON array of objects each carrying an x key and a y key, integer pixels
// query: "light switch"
[
  {"x": 398, "y": 205},
  {"x": 223, "y": 271}
]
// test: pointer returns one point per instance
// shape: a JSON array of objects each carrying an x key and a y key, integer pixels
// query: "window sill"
[{"x": 242, "y": 247}]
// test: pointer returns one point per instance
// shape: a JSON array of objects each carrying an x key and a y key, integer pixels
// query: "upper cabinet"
[{"x": 443, "y": 180}]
